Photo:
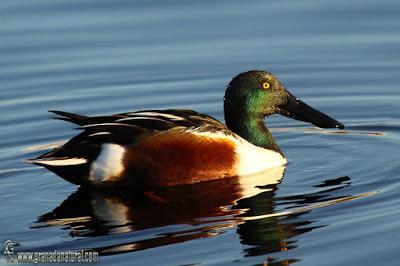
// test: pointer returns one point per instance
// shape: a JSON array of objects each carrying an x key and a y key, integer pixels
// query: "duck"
[{"x": 178, "y": 146}]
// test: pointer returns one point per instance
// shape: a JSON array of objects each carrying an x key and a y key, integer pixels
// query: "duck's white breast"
[{"x": 253, "y": 159}]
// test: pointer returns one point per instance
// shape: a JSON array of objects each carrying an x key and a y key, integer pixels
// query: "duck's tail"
[
  {"x": 70, "y": 117},
  {"x": 74, "y": 170},
  {"x": 71, "y": 161}
]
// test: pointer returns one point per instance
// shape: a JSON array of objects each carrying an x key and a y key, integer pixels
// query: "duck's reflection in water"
[{"x": 204, "y": 210}]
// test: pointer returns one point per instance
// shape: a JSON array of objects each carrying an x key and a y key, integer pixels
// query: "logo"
[{"x": 9, "y": 250}]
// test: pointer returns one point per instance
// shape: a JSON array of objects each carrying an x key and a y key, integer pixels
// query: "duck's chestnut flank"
[{"x": 175, "y": 158}]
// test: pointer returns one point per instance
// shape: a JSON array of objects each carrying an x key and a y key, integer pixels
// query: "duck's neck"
[{"x": 252, "y": 128}]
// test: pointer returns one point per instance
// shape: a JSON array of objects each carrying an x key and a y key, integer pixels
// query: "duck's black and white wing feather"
[{"x": 151, "y": 119}]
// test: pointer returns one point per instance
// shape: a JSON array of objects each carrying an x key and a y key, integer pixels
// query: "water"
[{"x": 336, "y": 203}]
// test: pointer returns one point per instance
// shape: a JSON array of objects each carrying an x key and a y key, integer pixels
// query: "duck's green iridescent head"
[{"x": 253, "y": 95}]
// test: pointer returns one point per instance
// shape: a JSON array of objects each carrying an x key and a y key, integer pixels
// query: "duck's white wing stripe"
[
  {"x": 138, "y": 118},
  {"x": 99, "y": 134},
  {"x": 104, "y": 124},
  {"x": 59, "y": 161},
  {"x": 169, "y": 116}
]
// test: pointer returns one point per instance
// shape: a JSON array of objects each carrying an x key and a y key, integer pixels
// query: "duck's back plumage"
[{"x": 152, "y": 147}]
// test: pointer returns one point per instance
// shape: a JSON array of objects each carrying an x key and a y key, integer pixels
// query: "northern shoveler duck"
[{"x": 172, "y": 147}]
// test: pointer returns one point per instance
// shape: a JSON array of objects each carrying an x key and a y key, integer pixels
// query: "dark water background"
[{"x": 100, "y": 57}]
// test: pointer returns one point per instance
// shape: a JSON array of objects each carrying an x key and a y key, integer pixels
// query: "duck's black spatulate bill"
[{"x": 297, "y": 109}]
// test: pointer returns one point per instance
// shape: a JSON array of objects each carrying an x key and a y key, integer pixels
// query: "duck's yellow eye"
[{"x": 266, "y": 85}]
